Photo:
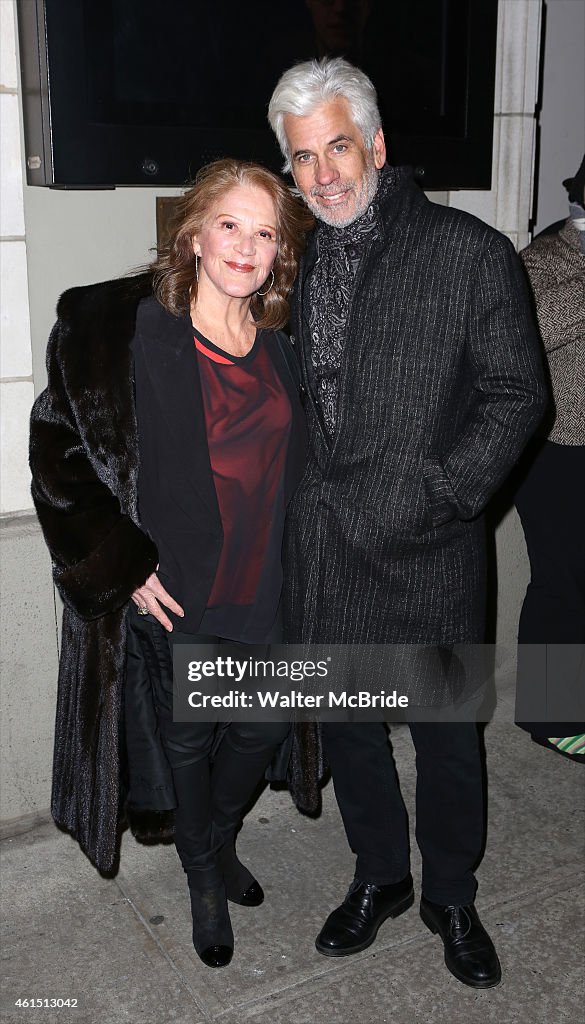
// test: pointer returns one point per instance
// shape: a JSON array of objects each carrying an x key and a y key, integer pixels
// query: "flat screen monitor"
[{"x": 144, "y": 92}]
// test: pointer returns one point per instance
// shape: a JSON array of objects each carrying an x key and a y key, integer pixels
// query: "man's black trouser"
[{"x": 449, "y": 804}]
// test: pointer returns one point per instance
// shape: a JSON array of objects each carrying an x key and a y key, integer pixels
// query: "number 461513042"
[{"x": 38, "y": 1002}]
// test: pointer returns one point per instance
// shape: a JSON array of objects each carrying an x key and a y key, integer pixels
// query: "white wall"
[
  {"x": 79, "y": 237},
  {"x": 16, "y": 383},
  {"x": 562, "y": 118}
]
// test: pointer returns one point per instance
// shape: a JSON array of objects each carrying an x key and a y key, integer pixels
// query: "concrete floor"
[{"x": 123, "y": 949}]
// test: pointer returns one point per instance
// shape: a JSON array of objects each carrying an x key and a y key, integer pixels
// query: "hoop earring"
[
  {"x": 269, "y": 286},
  {"x": 197, "y": 267}
]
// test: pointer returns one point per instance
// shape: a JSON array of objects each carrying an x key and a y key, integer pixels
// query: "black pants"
[
  {"x": 215, "y": 768},
  {"x": 449, "y": 804},
  {"x": 551, "y": 504}
]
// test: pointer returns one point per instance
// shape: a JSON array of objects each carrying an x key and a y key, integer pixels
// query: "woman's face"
[{"x": 238, "y": 243}]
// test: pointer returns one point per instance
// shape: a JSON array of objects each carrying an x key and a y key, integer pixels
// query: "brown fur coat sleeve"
[{"x": 100, "y": 554}]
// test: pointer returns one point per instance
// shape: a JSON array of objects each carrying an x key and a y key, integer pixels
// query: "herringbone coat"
[{"x": 555, "y": 265}]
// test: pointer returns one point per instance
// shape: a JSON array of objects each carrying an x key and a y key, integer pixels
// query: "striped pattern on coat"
[{"x": 440, "y": 387}]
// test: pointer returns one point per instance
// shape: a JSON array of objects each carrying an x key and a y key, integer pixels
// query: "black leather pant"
[{"x": 215, "y": 768}]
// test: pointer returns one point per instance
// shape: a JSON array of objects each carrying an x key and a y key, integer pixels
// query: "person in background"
[
  {"x": 339, "y": 26},
  {"x": 551, "y": 496},
  {"x": 164, "y": 452},
  {"x": 424, "y": 382}
]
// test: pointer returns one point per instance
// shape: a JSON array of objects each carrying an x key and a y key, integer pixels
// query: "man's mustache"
[{"x": 331, "y": 190}]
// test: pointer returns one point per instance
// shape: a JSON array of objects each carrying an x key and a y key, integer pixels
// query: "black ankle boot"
[
  {"x": 213, "y": 937},
  {"x": 240, "y": 885}
]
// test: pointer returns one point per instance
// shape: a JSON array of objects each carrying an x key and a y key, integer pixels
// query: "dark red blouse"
[{"x": 248, "y": 420}]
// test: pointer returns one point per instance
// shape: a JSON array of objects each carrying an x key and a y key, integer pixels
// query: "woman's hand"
[{"x": 151, "y": 595}]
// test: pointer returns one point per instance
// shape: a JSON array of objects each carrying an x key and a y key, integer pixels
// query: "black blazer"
[{"x": 177, "y": 497}]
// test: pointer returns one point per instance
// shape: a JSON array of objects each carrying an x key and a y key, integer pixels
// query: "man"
[{"x": 424, "y": 383}]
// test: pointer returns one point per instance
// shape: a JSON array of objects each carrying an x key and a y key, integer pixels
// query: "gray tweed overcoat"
[
  {"x": 555, "y": 265},
  {"x": 440, "y": 387}
]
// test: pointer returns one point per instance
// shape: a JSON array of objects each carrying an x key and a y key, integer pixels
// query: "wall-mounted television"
[{"x": 144, "y": 92}]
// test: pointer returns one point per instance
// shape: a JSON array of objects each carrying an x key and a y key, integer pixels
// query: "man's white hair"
[{"x": 304, "y": 87}]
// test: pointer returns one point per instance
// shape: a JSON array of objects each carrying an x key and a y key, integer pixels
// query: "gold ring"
[{"x": 142, "y": 610}]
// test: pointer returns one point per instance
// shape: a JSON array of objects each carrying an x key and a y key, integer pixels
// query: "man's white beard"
[{"x": 337, "y": 217}]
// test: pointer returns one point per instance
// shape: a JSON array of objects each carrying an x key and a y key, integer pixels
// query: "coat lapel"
[
  {"x": 166, "y": 346},
  {"x": 302, "y": 340}
]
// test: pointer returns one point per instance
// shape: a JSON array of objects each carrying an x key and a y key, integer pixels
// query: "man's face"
[{"x": 331, "y": 164}]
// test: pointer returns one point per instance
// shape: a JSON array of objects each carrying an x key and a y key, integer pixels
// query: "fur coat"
[{"x": 84, "y": 463}]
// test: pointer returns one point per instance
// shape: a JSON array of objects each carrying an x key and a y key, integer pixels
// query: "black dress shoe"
[
  {"x": 469, "y": 952},
  {"x": 354, "y": 925}
]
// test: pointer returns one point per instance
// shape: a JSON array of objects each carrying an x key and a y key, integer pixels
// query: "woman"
[
  {"x": 551, "y": 493},
  {"x": 163, "y": 451}
]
